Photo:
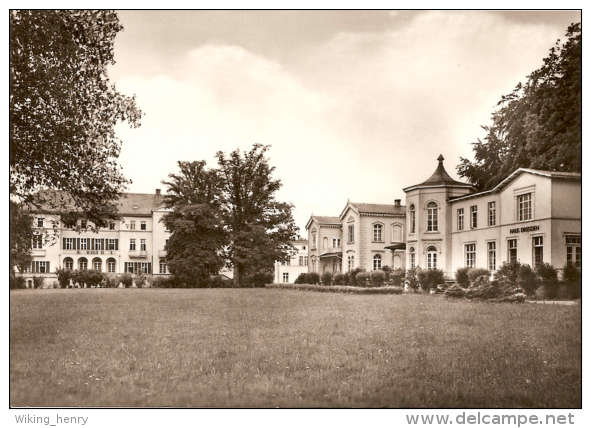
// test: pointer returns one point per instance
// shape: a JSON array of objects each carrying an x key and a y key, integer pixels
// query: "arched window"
[
  {"x": 111, "y": 265},
  {"x": 68, "y": 263},
  {"x": 396, "y": 233},
  {"x": 351, "y": 263},
  {"x": 82, "y": 263},
  {"x": 432, "y": 257},
  {"x": 432, "y": 224},
  {"x": 163, "y": 267},
  {"x": 377, "y": 262},
  {"x": 412, "y": 218},
  {"x": 97, "y": 264},
  {"x": 411, "y": 257},
  {"x": 377, "y": 233}
]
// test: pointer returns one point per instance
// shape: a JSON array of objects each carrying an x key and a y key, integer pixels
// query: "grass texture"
[{"x": 283, "y": 348}]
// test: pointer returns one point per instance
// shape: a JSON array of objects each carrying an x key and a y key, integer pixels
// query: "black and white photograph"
[{"x": 257, "y": 209}]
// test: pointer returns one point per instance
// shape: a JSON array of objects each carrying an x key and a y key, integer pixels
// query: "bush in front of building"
[
  {"x": 548, "y": 278},
  {"x": 338, "y": 278},
  {"x": 361, "y": 279},
  {"x": 63, "y": 277},
  {"x": 16, "y": 282},
  {"x": 412, "y": 278},
  {"x": 571, "y": 282},
  {"x": 308, "y": 278},
  {"x": 387, "y": 272},
  {"x": 462, "y": 277},
  {"x": 517, "y": 275},
  {"x": 126, "y": 279},
  {"x": 326, "y": 278},
  {"x": 313, "y": 278},
  {"x": 475, "y": 273},
  {"x": 377, "y": 277},
  {"x": 455, "y": 291},
  {"x": 397, "y": 277},
  {"x": 431, "y": 278},
  {"x": 38, "y": 281},
  {"x": 302, "y": 278}
]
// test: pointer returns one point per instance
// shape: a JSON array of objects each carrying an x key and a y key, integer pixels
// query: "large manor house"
[{"x": 532, "y": 217}]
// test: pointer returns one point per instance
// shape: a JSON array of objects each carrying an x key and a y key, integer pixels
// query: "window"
[
  {"x": 163, "y": 267},
  {"x": 470, "y": 257},
  {"x": 68, "y": 263},
  {"x": 336, "y": 242},
  {"x": 432, "y": 258},
  {"x": 129, "y": 267},
  {"x": 377, "y": 233},
  {"x": 377, "y": 262},
  {"x": 112, "y": 244},
  {"x": 42, "y": 267},
  {"x": 83, "y": 244},
  {"x": 492, "y": 255},
  {"x": 351, "y": 234},
  {"x": 68, "y": 243},
  {"x": 325, "y": 242},
  {"x": 460, "y": 218},
  {"x": 512, "y": 250},
  {"x": 132, "y": 225},
  {"x": 303, "y": 247},
  {"x": 97, "y": 264},
  {"x": 473, "y": 217},
  {"x": 82, "y": 264},
  {"x": 305, "y": 260},
  {"x": 143, "y": 225},
  {"x": 38, "y": 267},
  {"x": 145, "y": 267},
  {"x": 432, "y": 225},
  {"x": 111, "y": 265},
  {"x": 492, "y": 213},
  {"x": 132, "y": 245},
  {"x": 538, "y": 250},
  {"x": 350, "y": 263},
  {"x": 97, "y": 244},
  {"x": 573, "y": 250},
  {"x": 412, "y": 218},
  {"x": 524, "y": 207},
  {"x": 397, "y": 233},
  {"x": 285, "y": 277},
  {"x": 111, "y": 226},
  {"x": 142, "y": 244},
  {"x": 313, "y": 240},
  {"x": 411, "y": 254},
  {"x": 40, "y": 222},
  {"x": 37, "y": 243},
  {"x": 288, "y": 262}
]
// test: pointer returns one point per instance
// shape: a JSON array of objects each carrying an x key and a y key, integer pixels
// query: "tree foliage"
[
  {"x": 538, "y": 125},
  {"x": 21, "y": 235},
  {"x": 63, "y": 110},
  {"x": 195, "y": 247},
  {"x": 259, "y": 227}
]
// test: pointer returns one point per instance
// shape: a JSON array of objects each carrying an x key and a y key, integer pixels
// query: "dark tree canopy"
[
  {"x": 63, "y": 110},
  {"x": 21, "y": 235},
  {"x": 195, "y": 247},
  {"x": 259, "y": 226},
  {"x": 538, "y": 125}
]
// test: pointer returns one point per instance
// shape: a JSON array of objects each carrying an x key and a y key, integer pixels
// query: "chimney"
[
  {"x": 396, "y": 202},
  {"x": 158, "y": 198},
  {"x": 157, "y": 192}
]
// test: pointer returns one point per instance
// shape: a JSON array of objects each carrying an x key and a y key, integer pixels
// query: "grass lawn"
[{"x": 282, "y": 348}]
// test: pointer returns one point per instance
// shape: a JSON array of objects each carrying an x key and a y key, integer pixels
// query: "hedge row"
[{"x": 338, "y": 288}]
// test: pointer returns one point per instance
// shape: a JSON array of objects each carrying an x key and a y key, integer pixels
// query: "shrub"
[
  {"x": 17, "y": 282},
  {"x": 338, "y": 278},
  {"x": 526, "y": 279},
  {"x": 38, "y": 281},
  {"x": 431, "y": 278},
  {"x": 63, "y": 277},
  {"x": 462, "y": 278},
  {"x": 110, "y": 280},
  {"x": 326, "y": 278},
  {"x": 168, "y": 281},
  {"x": 387, "y": 272},
  {"x": 352, "y": 276},
  {"x": 313, "y": 278},
  {"x": 301, "y": 279},
  {"x": 571, "y": 279},
  {"x": 412, "y": 278},
  {"x": 258, "y": 279},
  {"x": 141, "y": 279},
  {"x": 361, "y": 279},
  {"x": 397, "y": 277},
  {"x": 338, "y": 288},
  {"x": 508, "y": 272},
  {"x": 377, "y": 277},
  {"x": 455, "y": 291},
  {"x": 548, "y": 277},
  {"x": 126, "y": 279},
  {"x": 541, "y": 293},
  {"x": 475, "y": 273}
]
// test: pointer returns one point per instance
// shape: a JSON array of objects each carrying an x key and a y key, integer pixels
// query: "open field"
[{"x": 281, "y": 348}]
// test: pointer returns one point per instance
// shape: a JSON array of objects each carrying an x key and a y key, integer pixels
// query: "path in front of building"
[{"x": 553, "y": 302}]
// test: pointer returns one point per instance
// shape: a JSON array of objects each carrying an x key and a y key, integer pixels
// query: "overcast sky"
[{"x": 355, "y": 104}]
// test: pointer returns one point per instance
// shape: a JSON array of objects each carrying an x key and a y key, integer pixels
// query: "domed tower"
[{"x": 428, "y": 242}]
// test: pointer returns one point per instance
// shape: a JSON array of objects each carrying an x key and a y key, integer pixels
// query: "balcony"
[
  {"x": 162, "y": 253},
  {"x": 138, "y": 254},
  {"x": 38, "y": 252},
  {"x": 90, "y": 252}
]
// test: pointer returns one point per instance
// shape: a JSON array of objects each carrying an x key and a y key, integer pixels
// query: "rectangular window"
[
  {"x": 473, "y": 216},
  {"x": 288, "y": 262},
  {"x": 512, "y": 250},
  {"x": 111, "y": 266},
  {"x": 97, "y": 244},
  {"x": 128, "y": 267},
  {"x": 69, "y": 244},
  {"x": 142, "y": 244},
  {"x": 492, "y": 213},
  {"x": 538, "y": 250},
  {"x": 143, "y": 225},
  {"x": 573, "y": 250},
  {"x": 40, "y": 222},
  {"x": 132, "y": 225},
  {"x": 460, "y": 218},
  {"x": 42, "y": 267},
  {"x": 301, "y": 260},
  {"x": 132, "y": 245},
  {"x": 492, "y": 256},
  {"x": 412, "y": 259},
  {"x": 524, "y": 207},
  {"x": 470, "y": 250},
  {"x": 351, "y": 230},
  {"x": 163, "y": 267},
  {"x": 285, "y": 277},
  {"x": 37, "y": 243},
  {"x": 112, "y": 244},
  {"x": 83, "y": 244},
  {"x": 145, "y": 267},
  {"x": 111, "y": 226},
  {"x": 336, "y": 242},
  {"x": 305, "y": 260},
  {"x": 377, "y": 233}
]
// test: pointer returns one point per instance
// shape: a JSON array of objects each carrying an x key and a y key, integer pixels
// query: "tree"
[
  {"x": 259, "y": 227},
  {"x": 21, "y": 236},
  {"x": 195, "y": 247},
  {"x": 538, "y": 125},
  {"x": 63, "y": 111}
]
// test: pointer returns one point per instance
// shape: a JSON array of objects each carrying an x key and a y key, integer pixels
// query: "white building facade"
[{"x": 287, "y": 272}]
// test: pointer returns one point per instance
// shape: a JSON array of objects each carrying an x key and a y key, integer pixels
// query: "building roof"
[
  {"x": 323, "y": 220},
  {"x": 374, "y": 209},
  {"x": 439, "y": 178}
]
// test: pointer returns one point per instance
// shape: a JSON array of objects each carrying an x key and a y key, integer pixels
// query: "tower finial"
[{"x": 440, "y": 159}]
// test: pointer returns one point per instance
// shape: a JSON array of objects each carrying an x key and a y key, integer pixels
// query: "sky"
[{"x": 356, "y": 105}]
